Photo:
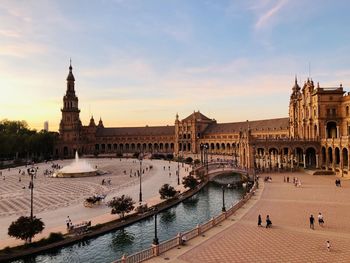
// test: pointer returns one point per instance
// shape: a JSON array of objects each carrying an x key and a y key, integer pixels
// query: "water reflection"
[
  {"x": 168, "y": 216},
  {"x": 121, "y": 240},
  {"x": 191, "y": 202}
]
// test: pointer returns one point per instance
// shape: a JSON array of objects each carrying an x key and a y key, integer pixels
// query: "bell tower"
[{"x": 70, "y": 125}]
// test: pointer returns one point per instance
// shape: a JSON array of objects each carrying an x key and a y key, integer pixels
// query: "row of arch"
[
  {"x": 135, "y": 147},
  {"x": 335, "y": 157}
]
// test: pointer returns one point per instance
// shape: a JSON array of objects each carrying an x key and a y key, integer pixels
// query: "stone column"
[
  {"x": 304, "y": 160},
  {"x": 279, "y": 161},
  {"x": 291, "y": 161},
  {"x": 338, "y": 133},
  {"x": 317, "y": 166}
]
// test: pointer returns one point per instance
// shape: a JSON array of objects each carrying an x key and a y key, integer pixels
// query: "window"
[{"x": 347, "y": 110}]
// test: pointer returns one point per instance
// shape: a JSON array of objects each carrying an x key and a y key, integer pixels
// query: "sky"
[{"x": 139, "y": 62}]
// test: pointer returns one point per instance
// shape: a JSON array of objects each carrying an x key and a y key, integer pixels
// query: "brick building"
[{"x": 315, "y": 135}]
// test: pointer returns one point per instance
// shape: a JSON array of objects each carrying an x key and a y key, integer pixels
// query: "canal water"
[{"x": 128, "y": 240}]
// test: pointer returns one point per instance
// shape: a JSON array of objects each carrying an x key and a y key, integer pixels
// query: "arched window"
[{"x": 347, "y": 110}]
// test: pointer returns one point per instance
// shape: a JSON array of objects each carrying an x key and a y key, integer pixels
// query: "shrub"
[
  {"x": 190, "y": 182},
  {"x": 167, "y": 191},
  {"x": 189, "y": 160}
]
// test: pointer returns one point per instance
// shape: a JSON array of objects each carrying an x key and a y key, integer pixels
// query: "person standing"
[
  {"x": 328, "y": 244},
  {"x": 68, "y": 222},
  {"x": 259, "y": 220},
  {"x": 312, "y": 220},
  {"x": 320, "y": 219}
]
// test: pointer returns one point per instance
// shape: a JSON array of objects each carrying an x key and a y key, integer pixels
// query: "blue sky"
[{"x": 139, "y": 62}]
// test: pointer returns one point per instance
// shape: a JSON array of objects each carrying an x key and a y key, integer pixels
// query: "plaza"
[
  {"x": 57, "y": 198},
  {"x": 290, "y": 239}
]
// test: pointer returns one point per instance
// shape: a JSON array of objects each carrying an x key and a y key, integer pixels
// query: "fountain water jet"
[{"x": 78, "y": 168}]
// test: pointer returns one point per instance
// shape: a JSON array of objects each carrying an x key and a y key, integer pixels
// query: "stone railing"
[{"x": 155, "y": 250}]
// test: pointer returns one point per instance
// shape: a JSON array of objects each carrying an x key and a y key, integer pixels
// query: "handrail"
[
  {"x": 167, "y": 245},
  {"x": 175, "y": 241}
]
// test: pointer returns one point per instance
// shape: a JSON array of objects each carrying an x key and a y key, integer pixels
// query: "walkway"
[{"x": 290, "y": 239}]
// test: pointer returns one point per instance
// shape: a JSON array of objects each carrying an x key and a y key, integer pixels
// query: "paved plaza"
[
  {"x": 56, "y": 198},
  {"x": 290, "y": 239}
]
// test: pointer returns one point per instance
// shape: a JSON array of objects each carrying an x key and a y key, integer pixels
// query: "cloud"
[{"x": 266, "y": 17}]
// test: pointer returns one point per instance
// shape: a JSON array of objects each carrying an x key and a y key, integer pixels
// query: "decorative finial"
[
  {"x": 341, "y": 85},
  {"x": 296, "y": 80},
  {"x": 70, "y": 64}
]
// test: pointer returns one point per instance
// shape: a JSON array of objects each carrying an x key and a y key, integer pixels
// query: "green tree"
[
  {"x": 190, "y": 182},
  {"x": 18, "y": 141},
  {"x": 167, "y": 191},
  {"x": 25, "y": 228},
  {"x": 189, "y": 160},
  {"x": 121, "y": 205}
]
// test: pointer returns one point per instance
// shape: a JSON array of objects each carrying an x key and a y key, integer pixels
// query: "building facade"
[{"x": 315, "y": 134}]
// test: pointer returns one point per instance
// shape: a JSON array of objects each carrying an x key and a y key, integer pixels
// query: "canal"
[{"x": 128, "y": 240}]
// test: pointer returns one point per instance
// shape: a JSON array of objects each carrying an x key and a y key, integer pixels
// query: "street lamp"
[
  {"x": 31, "y": 172},
  {"x": 140, "y": 195},
  {"x": 201, "y": 150},
  {"x": 223, "y": 199},
  {"x": 155, "y": 239},
  {"x": 178, "y": 171},
  {"x": 206, "y": 147}
]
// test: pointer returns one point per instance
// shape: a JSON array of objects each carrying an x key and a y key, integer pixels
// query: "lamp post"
[
  {"x": 206, "y": 156},
  {"x": 155, "y": 239},
  {"x": 140, "y": 195},
  {"x": 31, "y": 172},
  {"x": 201, "y": 149},
  {"x": 178, "y": 171},
  {"x": 223, "y": 199}
]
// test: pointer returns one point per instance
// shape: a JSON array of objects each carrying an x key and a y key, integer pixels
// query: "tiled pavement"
[
  {"x": 55, "y": 198},
  {"x": 290, "y": 239}
]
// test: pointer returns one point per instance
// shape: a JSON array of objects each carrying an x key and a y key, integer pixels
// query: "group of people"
[
  {"x": 268, "y": 221},
  {"x": 106, "y": 182},
  {"x": 320, "y": 221},
  {"x": 267, "y": 179},
  {"x": 296, "y": 181}
]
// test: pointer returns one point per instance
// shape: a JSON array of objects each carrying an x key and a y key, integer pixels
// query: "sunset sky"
[{"x": 139, "y": 62}]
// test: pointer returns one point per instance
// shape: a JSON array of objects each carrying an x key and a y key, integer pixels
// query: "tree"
[
  {"x": 196, "y": 161},
  {"x": 121, "y": 205},
  {"x": 167, "y": 191},
  {"x": 189, "y": 160},
  {"x": 25, "y": 228},
  {"x": 190, "y": 182}
]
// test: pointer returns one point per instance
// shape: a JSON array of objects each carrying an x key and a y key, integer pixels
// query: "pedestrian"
[
  {"x": 68, "y": 221},
  {"x": 328, "y": 246},
  {"x": 320, "y": 219},
  {"x": 287, "y": 179},
  {"x": 312, "y": 220},
  {"x": 268, "y": 221},
  {"x": 259, "y": 220}
]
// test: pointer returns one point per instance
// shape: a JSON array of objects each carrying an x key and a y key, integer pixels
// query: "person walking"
[
  {"x": 312, "y": 220},
  {"x": 320, "y": 219},
  {"x": 268, "y": 221},
  {"x": 259, "y": 220},
  {"x": 328, "y": 244}
]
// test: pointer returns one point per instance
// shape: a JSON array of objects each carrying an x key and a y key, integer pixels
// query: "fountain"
[{"x": 78, "y": 168}]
